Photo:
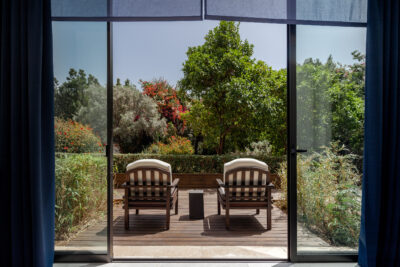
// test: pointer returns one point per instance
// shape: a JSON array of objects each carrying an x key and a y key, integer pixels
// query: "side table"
[{"x": 196, "y": 204}]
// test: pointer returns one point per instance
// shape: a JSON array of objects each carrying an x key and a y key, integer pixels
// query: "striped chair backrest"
[
  {"x": 244, "y": 172},
  {"x": 149, "y": 179}
]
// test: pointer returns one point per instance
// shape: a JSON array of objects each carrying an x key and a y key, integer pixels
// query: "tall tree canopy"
[
  {"x": 70, "y": 96},
  {"x": 330, "y": 103},
  {"x": 235, "y": 99}
]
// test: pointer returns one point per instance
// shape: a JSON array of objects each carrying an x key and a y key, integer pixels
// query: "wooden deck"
[
  {"x": 247, "y": 228},
  {"x": 147, "y": 237}
]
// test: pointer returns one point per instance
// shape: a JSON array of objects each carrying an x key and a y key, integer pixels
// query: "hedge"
[
  {"x": 193, "y": 163},
  {"x": 81, "y": 191}
]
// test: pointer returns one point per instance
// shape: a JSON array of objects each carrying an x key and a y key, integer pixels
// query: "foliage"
[
  {"x": 176, "y": 146},
  {"x": 95, "y": 112},
  {"x": 193, "y": 163},
  {"x": 136, "y": 120},
  {"x": 74, "y": 137},
  {"x": 70, "y": 96},
  {"x": 259, "y": 148},
  {"x": 169, "y": 105},
  {"x": 81, "y": 191},
  {"x": 232, "y": 94},
  {"x": 330, "y": 103},
  {"x": 328, "y": 194}
]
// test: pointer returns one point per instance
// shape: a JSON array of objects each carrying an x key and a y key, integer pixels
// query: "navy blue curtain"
[
  {"x": 26, "y": 134},
  {"x": 380, "y": 220}
]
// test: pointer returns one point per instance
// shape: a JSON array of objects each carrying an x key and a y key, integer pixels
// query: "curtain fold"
[
  {"x": 27, "y": 134},
  {"x": 380, "y": 220}
]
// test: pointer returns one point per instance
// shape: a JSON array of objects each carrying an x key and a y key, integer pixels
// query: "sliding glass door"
[
  {"x": 80, "y": 102},
  {"x": 149, "y": 60},
  {"x": 316, "y": 201},
  {"x": 330, "y": 69}
]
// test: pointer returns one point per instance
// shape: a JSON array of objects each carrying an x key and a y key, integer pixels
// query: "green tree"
[
  {"x": 232, "y": 94},
  {"x": 118, "y": 82},
  {"x": 95, "y": 112},
  {"x": 330, "y": 103},
  {"x": 70, "y": 96},
  {"x": 348, "y": 101}
]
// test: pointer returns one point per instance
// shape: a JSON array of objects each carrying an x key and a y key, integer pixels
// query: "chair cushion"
[
  {"x": 244, "y": 178},
  {"x": 244, "y": 162},
  {"x": 151, "y": 163},
  {"x": 144, "y": 177}
]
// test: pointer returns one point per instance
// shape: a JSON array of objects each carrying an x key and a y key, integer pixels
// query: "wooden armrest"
[
  {"x": 175, "y": 183},
  {"x": 220, "y": 183}
]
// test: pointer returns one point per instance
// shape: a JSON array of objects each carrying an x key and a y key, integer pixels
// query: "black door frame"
[{"x": 292, "y": 256}]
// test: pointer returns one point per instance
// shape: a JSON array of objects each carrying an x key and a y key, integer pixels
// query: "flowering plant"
[
  {"x": 169, "y": 105},
  {"x": 176, "y": 145},
  {"x": 74, "y": 137}
]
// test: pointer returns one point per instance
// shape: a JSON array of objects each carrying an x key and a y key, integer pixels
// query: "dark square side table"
[{"x": 196, "y": 204}]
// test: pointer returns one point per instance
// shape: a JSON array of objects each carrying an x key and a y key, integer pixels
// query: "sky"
[{"x": 148, "y": 50}]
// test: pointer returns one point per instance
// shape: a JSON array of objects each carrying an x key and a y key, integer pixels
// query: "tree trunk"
[
  {"x": 196, "y": 145},
  {"x": 220, "y": 150}
]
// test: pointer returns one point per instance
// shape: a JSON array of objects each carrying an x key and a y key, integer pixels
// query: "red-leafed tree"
[{"x": 169, "y": 105}]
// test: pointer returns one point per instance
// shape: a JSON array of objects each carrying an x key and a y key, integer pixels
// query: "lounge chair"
[
  {"x": 149, "y": 186},
  {"x": 246, "y": 185}
]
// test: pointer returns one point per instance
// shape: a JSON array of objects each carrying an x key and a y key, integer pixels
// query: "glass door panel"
[
  {"x": 80, "y": 103},
  {"x": 149, "y": 60},
  {"x": 330, "y": 71}
]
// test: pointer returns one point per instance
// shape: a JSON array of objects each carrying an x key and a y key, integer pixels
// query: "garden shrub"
[
  {"x": 136, "y": 121},
  {"x": 74, "y": 137},
  {"x": 193, "y": 163},
  {"x": 328, "y": 194},
  {"x": 81, "y": 191},
  {"x": 259, "y": 148},
  {"x": 176, "y": 145}
]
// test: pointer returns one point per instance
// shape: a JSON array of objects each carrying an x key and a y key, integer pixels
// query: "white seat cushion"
[
  {"x": 244, "y": 163},
  {"x": 144, "y": 177},
  {"x": 244, "y": 177},
  {"x": 155, "y": 163},
  {"x": 151, "y": 163}
]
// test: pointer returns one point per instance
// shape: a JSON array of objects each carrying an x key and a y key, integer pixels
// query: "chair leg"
[
  {"x": 257, "y": 211},
  {"x": 137, "y": 212},
  {"x": 269, "y": 211},
  {"x": 126, "y": 206},
  {"x": 269, "y": 218},
  {"x": 126, "y": 219},
  {"x": 219, "y": 206},
  {"x": 167, "y": 218},
  {"x": 168, "y": 208},
  {"x": 176, "y": 202},
  {"x": 227, "y": 218}
]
